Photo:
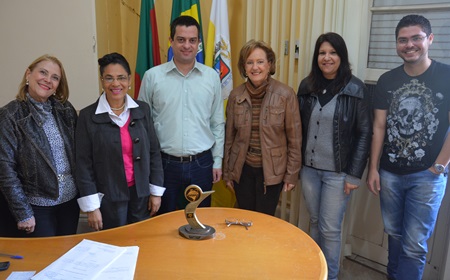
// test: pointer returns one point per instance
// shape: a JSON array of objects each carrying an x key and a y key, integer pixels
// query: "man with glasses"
[
  {"x": 187, "y": 109},
  {"x": 411, "y": 147}
]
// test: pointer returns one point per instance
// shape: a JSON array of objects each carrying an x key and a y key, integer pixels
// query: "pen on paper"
[{"x": 11, "y": 256}]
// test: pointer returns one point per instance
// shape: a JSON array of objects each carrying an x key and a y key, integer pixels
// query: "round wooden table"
[{"x": 270, "y": 249}]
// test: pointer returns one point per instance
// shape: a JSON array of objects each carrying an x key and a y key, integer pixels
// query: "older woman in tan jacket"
[{"x": 263, "y": 133}]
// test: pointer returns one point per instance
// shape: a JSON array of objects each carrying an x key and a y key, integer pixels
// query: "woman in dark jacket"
[
  {"x": 119, "y": 169},
  {"x": 337, "y": 130},
  {"x": 37, "y": 160}
]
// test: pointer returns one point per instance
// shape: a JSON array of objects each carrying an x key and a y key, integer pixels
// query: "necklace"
[
  {"x": 118, "y": 109},
  {"x": 329, "y": 86}
]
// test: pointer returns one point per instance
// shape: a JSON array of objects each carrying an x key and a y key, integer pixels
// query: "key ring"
[{"x": 241, "y": 222}]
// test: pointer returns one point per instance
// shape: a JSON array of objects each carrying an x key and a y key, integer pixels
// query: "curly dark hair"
[{"x": 113, "y": 58}]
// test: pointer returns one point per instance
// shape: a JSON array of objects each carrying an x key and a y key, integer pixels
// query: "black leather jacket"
[
  {"x": 352, "y": 125},
  {"x": 26, "y": 161}
]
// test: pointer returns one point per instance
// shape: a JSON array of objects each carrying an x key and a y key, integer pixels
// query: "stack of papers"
[{"x": 92, "y": 260}]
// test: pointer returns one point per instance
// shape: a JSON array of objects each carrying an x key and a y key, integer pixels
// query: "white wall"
[{"x": 63, "y": 28}]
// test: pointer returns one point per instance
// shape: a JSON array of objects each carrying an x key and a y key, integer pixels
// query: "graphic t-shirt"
[{"x": 417, "y": 117}]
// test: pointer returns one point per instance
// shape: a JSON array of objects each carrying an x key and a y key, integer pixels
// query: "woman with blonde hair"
[{"x": 37, "y": 154}]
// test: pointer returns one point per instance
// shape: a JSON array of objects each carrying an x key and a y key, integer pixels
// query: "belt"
[
  {"x": 183, "y": 159},
  {"x": 254, "y": 151}
]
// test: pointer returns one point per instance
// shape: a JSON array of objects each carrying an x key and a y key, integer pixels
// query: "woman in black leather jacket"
[
  {"x": 37, "y": 160},
  {"x": 337, "y": 130}
]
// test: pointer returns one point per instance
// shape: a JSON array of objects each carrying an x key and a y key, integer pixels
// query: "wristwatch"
[{"x": 439, "y": 168}]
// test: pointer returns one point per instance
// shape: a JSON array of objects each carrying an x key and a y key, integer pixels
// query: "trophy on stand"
[{"x": 195, "y": 230}]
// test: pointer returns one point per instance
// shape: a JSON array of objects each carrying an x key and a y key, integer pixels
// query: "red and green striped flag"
[
  {"x": 188, "y": 8},
  {"x": 148, "y": 44}
]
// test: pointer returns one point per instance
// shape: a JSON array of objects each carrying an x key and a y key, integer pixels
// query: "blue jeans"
[
  {"x": 409, "y": 206},
  {"x": 179, "y": 175},
  {"x": 326, "y": 203}
]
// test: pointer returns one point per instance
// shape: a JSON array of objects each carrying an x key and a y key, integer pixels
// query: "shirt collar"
[
  {"x": 103, "y": 105},
  {"x": 171, "y": 66}
]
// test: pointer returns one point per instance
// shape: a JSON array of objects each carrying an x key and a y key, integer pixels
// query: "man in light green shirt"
[{"x": 187, "y": 109}]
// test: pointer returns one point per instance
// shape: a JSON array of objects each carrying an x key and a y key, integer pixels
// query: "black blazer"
[{"x": 99, "y": 160}]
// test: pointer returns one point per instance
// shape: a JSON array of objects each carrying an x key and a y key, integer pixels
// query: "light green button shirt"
[{"x": 187, "y": 110}]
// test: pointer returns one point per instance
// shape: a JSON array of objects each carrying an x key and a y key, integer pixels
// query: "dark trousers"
[
  {"x": 55, "y": 220},
  {"x": 179, "y": 175},
  {"x": 250, "y": 193},
  {"x": 120, "y": 213},
  {"x": 8, "y": 225}
]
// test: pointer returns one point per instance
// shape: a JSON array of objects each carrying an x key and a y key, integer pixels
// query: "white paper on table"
[
  {"x": 123, "y": 267},
  {"x": 84, "y": 261},
  {"x": 21, "y": 275}
]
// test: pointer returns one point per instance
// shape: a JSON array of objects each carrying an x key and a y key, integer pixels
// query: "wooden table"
[{"x": 270, "y": 249}]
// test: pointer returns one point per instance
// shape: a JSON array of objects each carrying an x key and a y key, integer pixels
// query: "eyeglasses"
[
  {"x": 234, "y": 221},
  {"x": 415, "y": 40},
  {"x": 120, "y": 79}
]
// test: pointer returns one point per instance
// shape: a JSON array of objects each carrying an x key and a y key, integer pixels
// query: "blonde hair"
[{"x": 62, "y": 92}]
